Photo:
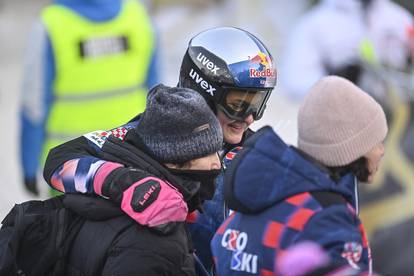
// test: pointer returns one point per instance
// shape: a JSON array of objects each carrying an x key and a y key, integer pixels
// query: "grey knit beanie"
[
  {"x": 177, "y": 125},
  {"x": 339, "y": 123}
]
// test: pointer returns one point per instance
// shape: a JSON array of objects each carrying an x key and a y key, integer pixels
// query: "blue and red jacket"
[
  {"x": 275, "y": 194},
  {"x": 202, "y": 226}
]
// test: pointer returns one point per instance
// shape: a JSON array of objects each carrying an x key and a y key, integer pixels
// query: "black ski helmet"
[{"x": 232, "y": 69}]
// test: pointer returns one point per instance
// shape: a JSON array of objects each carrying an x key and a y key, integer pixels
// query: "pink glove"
[
  {"x": 167, "y": 204},
  {"x": 150, "y": 201}
]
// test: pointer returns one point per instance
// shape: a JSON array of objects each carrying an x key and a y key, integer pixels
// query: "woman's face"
[
  {"x": 233, "y": 130},
  {"x": 373, "y": 159}
]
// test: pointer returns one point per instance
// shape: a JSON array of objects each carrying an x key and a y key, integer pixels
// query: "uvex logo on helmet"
[
  {"x": 201, "y": 82},
  {"x": 207, "y": 63},
  {"x": 263, "y": 71}
]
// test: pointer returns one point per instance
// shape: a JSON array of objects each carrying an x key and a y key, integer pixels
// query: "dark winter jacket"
[
  {"x": 280, "y": 199},
  {"x": 85, "y": 154},
  {"x": 110, "y": 243},
  {"x": 132, "y": 249},
  {"x": 80, "y": 159}
]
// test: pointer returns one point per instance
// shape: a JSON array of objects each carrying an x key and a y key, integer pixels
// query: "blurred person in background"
[
  {"x": 337, "y": 37},
  {"x": 282, "y": 195},
  {"x": 89, "y": 65},
  {"x": 235, "y": 73}
]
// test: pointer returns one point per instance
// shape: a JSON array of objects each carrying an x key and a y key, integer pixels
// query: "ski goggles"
[{"x": 238, "y": 104}]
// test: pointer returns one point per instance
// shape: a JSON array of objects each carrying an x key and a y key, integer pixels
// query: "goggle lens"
[{"x": 238, "y": 104}]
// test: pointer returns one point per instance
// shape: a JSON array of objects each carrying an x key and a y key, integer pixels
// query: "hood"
[
  {"x": 267, "y": 171},
  {"x": 95, "y": 10}
]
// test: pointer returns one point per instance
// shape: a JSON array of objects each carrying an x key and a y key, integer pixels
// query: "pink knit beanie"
[{"x": 339, "y": 123}]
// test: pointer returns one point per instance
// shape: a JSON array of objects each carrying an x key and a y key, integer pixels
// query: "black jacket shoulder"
[{"x": 116, "y": 245}]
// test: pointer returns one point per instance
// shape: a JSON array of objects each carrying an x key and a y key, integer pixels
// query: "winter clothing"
[
  {"x": 220, "y": 61},
  {"x": 69, "y": 91},
  {"x": 338, "y": 122},
  {"x": 316, "y": 47},
  {"x": 145, "y": 181},
  {"x": 135, "y": 187},
  {"x": 84, "y": 160},
  {"x": 210, "y": 58},
  {"x": 178, "y": 125},
  {"x": 108, "y": 169},
  {"x": 121, "y": 164},
  {"x": 124, "y": 247},
  {"x": 111, "y": 180},
  {"x": 293, "y": 200},
  {"x": 202, "y": 226}
]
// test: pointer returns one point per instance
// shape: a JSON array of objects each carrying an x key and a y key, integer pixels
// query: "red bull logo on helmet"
[{"x": 263, "y": 71}]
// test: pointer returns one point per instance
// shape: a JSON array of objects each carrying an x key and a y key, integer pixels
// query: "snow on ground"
[{"x": 268, "y": 19}]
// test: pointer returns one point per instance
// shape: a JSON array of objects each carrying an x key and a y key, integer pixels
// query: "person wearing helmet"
[
  {"x": 235, "y": 73},
  {"x": 233, "y": 70},
  {"x": 236, "y": 81}
]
